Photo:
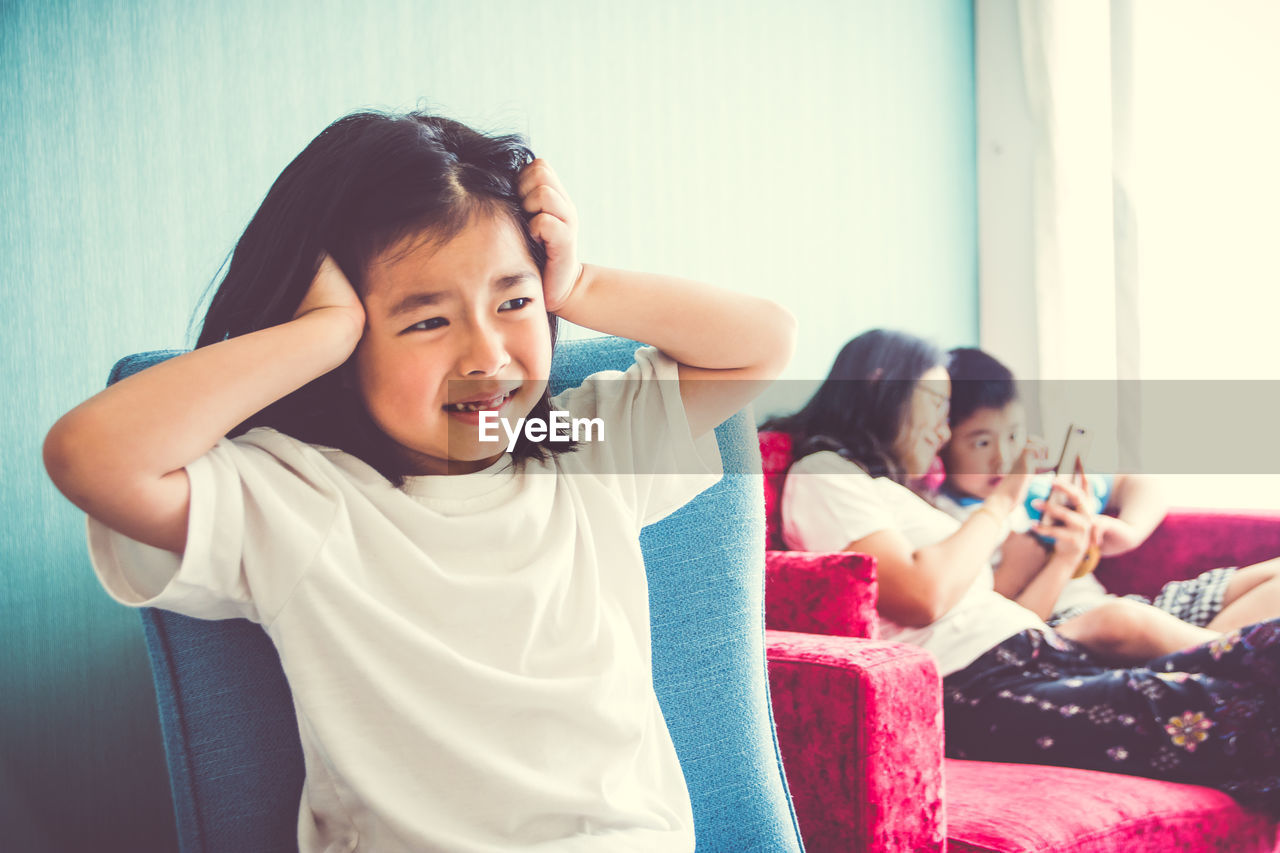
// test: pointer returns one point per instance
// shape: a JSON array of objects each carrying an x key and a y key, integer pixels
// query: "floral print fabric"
[{"x": 1209, "y": 715}]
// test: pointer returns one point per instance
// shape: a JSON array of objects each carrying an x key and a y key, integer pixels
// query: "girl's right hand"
[
  {"x": 330, "y": 290},
  {"x": 1027, "y": 465}
]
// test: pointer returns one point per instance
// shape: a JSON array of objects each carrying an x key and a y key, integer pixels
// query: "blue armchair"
[{"x": 235, "y": 761}]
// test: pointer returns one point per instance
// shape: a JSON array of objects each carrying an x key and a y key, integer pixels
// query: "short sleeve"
[
  {"x": 259, "y": 513},
  {"x": 1101, "y": 485},
  {"x": 828, "y": 502},
  {"x": 646, "y": 449}
]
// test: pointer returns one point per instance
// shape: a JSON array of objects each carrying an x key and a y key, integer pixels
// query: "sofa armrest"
[
  {"x": 860, "y": 729},
  {"x": 1191, "y": 541},
  {"x": 821, "y": 593}
]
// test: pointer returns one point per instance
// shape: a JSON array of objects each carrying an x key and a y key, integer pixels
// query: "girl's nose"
[
  {"x": 485, "y": 353},
  {"x": 944, "y": 433}
]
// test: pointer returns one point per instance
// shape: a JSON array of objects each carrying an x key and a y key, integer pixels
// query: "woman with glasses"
[{"x": 1013, "y": 689}]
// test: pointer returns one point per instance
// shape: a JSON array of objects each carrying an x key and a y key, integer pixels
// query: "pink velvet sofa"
[{"x": 860, "y": 725}]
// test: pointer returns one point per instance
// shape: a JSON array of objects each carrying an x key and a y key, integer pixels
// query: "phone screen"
[{"x": 1073, "y": 452}]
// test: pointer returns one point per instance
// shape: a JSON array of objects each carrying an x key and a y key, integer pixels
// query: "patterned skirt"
[{"x": 1209, "y": 715}]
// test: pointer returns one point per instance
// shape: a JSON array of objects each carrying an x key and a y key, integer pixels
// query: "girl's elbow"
[
  {"x": 780, "y": 341},
  {"x": 69, "y": 457},
  {"x": 59, "y": 454},
  {"x": 930, "y": 610},
  {"x": 919, "y": 610}
]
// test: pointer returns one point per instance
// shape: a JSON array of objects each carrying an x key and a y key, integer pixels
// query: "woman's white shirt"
[
  {"x": 469, "y": 656},
  {"x": 829, "y": 502}
]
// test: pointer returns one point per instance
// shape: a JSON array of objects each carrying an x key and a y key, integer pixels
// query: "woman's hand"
[
  {"x": 1069, "y": 525},
  {"x": 331, "y": 291},
  {"x": 553, "y": 220}
]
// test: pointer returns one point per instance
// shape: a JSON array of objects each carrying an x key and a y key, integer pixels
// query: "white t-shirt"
[
  {"x": 828, "y": 502},
  {"x": 1084, "y": 592},
  {"x": 469, "y": 657}
]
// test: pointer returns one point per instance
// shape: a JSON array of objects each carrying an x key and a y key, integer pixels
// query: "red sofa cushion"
[
  {"x": 775, "y": 458},
  {"x": 821, "y": 593},
  {"x": 1020, "y": 808},
  {"x": 1188, "y": 542}
]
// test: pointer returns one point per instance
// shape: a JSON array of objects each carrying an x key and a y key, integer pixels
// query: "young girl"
[
  {"x": 465, "y": 630},
  {"x": 988, "y": 426},
  {"x": 1013, "y": 690}
]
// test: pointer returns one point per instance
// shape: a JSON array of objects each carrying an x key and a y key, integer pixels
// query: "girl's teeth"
[{"x": 479, "y": 405}]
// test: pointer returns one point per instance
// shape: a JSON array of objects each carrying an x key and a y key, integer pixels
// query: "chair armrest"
[
  {"x": 860, "y": 730},
  {"x": 821, "y": 593},
  {"x": 1190, "y": 541}
]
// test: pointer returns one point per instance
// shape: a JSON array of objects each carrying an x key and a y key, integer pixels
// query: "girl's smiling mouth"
[{"x": 475, "y": 405}]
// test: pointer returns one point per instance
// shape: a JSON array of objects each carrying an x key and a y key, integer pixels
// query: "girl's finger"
[
  {"x": 1071, "y": 490},
  {"x": 547, "y": 199},
  {"x": 552, "y": 231},
  {"x": 1065, "y": 515},
  {"x": 536, "y": 173}
]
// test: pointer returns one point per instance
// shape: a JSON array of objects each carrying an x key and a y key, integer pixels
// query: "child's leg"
[
  {"x": 1253, "y": 595},
  {"x": 1216, "y": 721},
  {"x": 1126, "y": 631}
]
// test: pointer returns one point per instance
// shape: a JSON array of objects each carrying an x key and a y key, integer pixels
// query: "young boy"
[{"x": 988, "y": 427}]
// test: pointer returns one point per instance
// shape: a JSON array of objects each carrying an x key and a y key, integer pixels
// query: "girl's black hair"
[
  {"x": 366, "y": 182},
  {"x": 978, "y": 381},
  {"x": 860, "y": 408}
]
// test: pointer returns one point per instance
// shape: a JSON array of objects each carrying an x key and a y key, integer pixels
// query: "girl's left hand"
[{"x": 553, "y": 220}]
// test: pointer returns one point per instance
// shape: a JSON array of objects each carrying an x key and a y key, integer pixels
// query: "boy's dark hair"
[
  {"x": 978, "y": 381},
  {"x": 366, "y": 182},
  {"x": 859, "y": 409}
]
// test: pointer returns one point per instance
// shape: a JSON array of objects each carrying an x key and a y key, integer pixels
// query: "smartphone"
[{"x": 1074, "y": 449}]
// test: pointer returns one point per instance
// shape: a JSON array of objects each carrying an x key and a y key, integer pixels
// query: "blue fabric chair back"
[{"x": 235, "y": 761}]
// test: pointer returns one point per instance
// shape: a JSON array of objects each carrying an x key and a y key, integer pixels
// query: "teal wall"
[{"x": 820, "y": 152}]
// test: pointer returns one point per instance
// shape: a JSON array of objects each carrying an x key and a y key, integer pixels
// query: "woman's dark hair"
[
  {"x": 860, "y": 408},
  {"x": 978, "y": 381},
  {"x": 365, "y": 183}
]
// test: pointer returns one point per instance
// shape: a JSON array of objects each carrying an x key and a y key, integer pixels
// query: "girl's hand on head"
[
  {"x": 331, "y": 291},
  {"x": 553, "y": 220}
]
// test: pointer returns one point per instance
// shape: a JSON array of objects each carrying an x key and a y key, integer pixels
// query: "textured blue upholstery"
[{"x": 235, "y": 762}]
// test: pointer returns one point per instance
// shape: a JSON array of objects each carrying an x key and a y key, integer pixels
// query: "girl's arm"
[
  {"x": 714, "y": 334},
  {"x": 917, "y": 587},
  {"x": 120, "y": 455},
  {"x": 1139, "y": 508}
]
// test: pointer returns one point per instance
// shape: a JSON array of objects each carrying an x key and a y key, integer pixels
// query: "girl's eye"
[
  {"x": 515, "y": 304},
  {"x": 427, "y": 325},
  {"x": 982, "y": 443}
]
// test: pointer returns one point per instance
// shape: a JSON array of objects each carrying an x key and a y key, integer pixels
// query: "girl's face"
[
  {"x": 452, "y": 329},
  {"x": 925, "y": 429},
  {"x": 984, "y": 447}
]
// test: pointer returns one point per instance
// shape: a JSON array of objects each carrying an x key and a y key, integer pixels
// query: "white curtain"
[{"x": 1127, "y": 184}]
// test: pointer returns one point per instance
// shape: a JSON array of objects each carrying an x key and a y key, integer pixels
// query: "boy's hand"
[
  {"x": 553, "y": 220},
  {"x": 1028, "y": 463},
  {"x": 331, "y": 290},
  {"x": 1114, "y": 536}
]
